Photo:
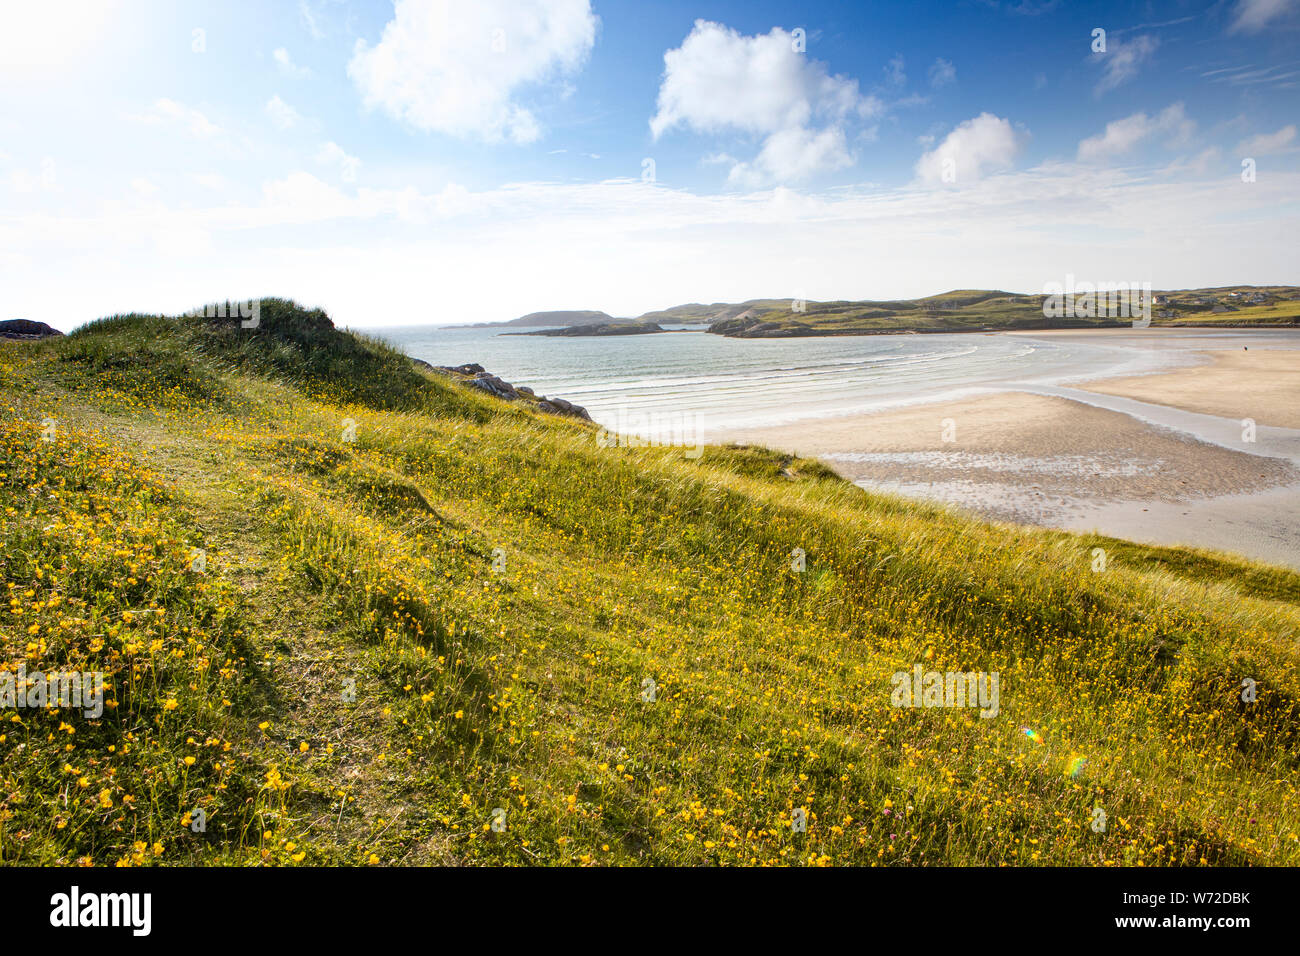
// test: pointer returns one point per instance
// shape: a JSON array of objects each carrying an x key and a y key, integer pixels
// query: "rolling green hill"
[
  {"x": 358, "y": 613},
  {"x": 969, "y": 310},
  {"x": 960, "y": 310}
]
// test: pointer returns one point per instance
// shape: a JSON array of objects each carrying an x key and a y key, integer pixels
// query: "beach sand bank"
[
  {"x": 1260, "y": 384},
  {"x": 1062, "y": 463}
]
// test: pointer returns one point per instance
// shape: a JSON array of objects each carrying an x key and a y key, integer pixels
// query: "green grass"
[
  {"x": 499, "y": 590},
  {"x": 972, "y": 310}
]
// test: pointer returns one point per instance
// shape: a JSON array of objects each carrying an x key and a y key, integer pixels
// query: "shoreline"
[
  {"x": 1163, "y": 458},
  {"x": 1262, "y": 386},
  {"x": 959, "y": 330},
  {"x": 1002, "y": 330}
]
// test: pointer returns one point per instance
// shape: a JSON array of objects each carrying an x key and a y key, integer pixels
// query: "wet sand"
[{"x": 1166, "y": 460}]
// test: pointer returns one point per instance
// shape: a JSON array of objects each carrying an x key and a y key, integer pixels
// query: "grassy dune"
[{"x": 474, "y": 635}]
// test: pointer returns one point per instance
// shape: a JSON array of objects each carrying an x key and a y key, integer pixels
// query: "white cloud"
[
  {"x": 303, "y": 191},
  {"x": 793, "y": 154},
  {"x": 459, "y": 68},
  {"x": 282, "y": 114},
  {"x": 309, "y": 20},
  {"x": 984, "y": 144},
  {"x": 1123, "y": 60},
  {"x": 333, "y": 154},
  {"x": 721, "y": 81},
  {"x": 285, "y": 62},
  {"x": 1266, "y": 143},
  {"x": 631, "y": 246},
  {"x": 1122, "y": 135},
  {"x": 25, "y": 181},
  {"x": 895, "y": 74},
  {"x": 942, "y": 73},
  {"x": 1251, "y": 16},
  {"x": 1199, "y": 164},
  {"x": 1278, "y": 75},
  {"x": 169, "y": 111}
]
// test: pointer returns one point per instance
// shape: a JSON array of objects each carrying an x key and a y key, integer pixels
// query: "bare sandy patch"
[
  {"x": 1052, "y": 444},
  {"x": 1261, "y": 384},
  {"x": 1058, "y": 463}
]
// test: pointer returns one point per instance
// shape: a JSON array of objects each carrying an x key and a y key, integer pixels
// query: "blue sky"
[{"x": 428, "y": 161}]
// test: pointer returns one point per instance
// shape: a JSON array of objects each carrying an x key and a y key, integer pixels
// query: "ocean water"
[{"x": 690, "y": 382}]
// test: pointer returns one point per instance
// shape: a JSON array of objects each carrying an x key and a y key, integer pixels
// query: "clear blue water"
[{"x": 724, "y": 383}]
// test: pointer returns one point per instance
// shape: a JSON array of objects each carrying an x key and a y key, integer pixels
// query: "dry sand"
[
  {"x": 1056, "y": 462},
  {"x": 1262, "y": 384}
]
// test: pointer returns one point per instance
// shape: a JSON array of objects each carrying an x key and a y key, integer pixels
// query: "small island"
[{"x": 604, "y": 328}]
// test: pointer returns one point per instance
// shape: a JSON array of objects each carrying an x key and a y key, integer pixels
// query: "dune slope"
[{"x": 356, "y": 613}]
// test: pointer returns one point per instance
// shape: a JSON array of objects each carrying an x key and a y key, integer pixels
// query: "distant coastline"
[{"x": 962, "y": 310}]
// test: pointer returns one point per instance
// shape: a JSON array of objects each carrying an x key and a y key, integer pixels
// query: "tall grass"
[{"x": 608, "y": 651}]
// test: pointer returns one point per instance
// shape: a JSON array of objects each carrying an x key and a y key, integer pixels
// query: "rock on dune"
[
  {"x": 26, "y": 329},
  {"x": 475, "y": 376}
]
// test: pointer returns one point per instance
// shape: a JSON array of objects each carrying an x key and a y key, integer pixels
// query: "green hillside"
[
  {"x": 358, "y": 613},
  {"x": 976, "y": 310}
]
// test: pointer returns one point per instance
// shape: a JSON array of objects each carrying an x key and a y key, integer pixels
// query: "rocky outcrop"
[
  {"x": 458, "y": 369},
  {"x": 558, "y": 406},
  {"x": 610, "y": 328},
  {"x": 26, "y": 329},
  {"x": 487, "y": 382},
  {"x": 749, "y": 326},
  {"x": 475, "y": 376}
]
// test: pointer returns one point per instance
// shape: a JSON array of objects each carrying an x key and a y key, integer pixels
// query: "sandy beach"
[
  {"x": 1261, "y": 384},
  {"x": 1165, "y": 460}
]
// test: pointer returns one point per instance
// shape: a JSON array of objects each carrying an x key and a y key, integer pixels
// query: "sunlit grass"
[{"x": 500, "y": 589}]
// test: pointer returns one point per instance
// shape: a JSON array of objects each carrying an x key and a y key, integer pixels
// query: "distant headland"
[{"x": 960, "y": 310}]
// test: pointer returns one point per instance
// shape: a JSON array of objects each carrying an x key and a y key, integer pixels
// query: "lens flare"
[
  {"x": 1074, "y": 766},
  {"x": 1032, "y": 734}
]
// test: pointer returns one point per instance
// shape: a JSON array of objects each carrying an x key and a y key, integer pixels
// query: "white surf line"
[{"x": 1270, "y": 441}]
